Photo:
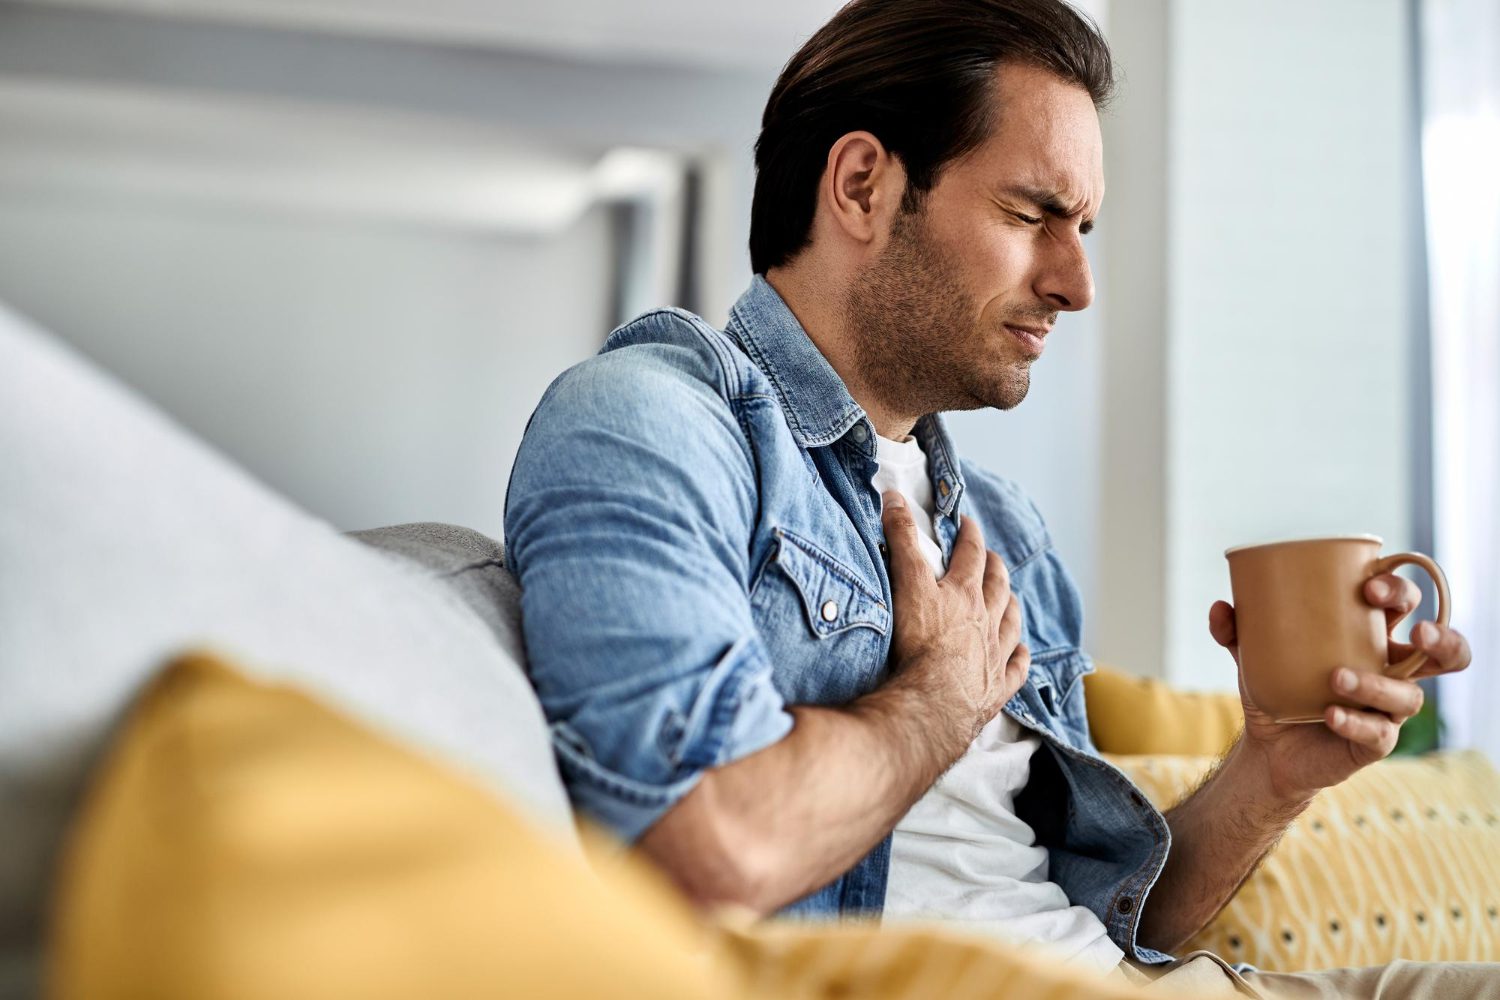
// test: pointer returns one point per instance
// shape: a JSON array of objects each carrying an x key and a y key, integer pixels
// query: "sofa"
[
  {"x": 173, "y": 637},
  {"x": 1400, "y": 861}
]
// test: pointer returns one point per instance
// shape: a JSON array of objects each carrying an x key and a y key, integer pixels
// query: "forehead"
[{"x": 1046, "y": 136}]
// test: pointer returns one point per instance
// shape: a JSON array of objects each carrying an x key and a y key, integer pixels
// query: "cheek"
[{"x": 997, "y": 270}]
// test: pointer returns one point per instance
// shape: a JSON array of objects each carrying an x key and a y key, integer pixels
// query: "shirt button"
[
  {"x": 943, "y": 487},
  {"x": 859, "y": 433},
  {"x": 830, "y": 611},
  {"x": 1125, "y": 904}
]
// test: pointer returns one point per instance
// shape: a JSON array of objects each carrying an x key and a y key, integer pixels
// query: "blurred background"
[{"x": 349, "y": 242}]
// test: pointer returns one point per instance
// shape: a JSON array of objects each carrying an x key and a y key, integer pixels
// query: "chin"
[{"x": 1007, "y": 391}]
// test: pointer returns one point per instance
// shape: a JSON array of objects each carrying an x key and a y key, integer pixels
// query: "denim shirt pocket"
[
  {"x": 832, "y": 597},
  {"x": 1056, "y": 678}
]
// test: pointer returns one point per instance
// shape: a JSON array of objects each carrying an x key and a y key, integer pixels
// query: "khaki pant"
[{"x": 1204, "y": 974}]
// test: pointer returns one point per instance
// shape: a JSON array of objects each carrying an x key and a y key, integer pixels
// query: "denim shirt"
[{"x": 693, "y": 524}]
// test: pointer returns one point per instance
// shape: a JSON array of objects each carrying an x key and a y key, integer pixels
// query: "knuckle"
[
  {"x": 900, "y": 533},
  {"x": 898, "y": 515}
]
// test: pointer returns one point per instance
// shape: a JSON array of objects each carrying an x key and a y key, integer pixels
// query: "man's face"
[{"x": 942, "y": 313}]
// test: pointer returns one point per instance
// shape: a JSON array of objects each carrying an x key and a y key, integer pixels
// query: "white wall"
[
  {"x": 1287, "y": 317},
  {"x": 1290, "y": 294},
  {"x": 374, "y": 374}
]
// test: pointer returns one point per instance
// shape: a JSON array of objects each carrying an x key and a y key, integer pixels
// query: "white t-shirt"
[{"x": 960, "y": 854}]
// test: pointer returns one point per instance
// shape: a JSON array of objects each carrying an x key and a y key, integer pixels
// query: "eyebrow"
[{"x": 1050, "y": 202}]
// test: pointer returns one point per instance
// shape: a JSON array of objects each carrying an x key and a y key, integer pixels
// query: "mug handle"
[{"x": 1414, "y": 662}]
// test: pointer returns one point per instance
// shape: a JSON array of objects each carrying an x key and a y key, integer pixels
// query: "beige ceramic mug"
[{"x": 1300, "y": 613}]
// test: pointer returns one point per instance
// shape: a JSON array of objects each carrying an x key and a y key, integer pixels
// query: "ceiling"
[{"x": 759, "y": 35}]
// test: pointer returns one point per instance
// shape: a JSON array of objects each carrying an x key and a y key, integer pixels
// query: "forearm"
[
  {"x": 770, "y": 828},
  {"x": 1220, "y": 834}
]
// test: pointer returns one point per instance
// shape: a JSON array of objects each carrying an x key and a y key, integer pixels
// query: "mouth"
[{"x": 1030, "y": 337}]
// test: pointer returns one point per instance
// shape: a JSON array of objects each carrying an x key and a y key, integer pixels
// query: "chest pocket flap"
[
  {"x": 1055, "y": 671},
  {"x": 833, "y": 597}
]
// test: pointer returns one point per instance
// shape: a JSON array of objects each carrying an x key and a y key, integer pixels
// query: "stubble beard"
[{"x": 919, "y": 346}]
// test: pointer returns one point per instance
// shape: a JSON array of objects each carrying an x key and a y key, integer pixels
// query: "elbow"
[
  {"x": 714, "y": 882},
  {"x": 712, "y": 857}
]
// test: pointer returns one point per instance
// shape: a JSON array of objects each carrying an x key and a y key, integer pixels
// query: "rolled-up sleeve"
[{"x": 628, "y": 523}]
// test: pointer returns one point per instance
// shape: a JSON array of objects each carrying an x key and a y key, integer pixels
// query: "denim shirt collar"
[{"x": 818, "y": 407}]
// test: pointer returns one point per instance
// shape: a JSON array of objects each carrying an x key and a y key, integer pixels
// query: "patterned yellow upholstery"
[{"x": 1400, "y": 861}]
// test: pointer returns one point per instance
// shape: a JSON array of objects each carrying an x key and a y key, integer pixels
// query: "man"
[{"x": 767, "y": 607}]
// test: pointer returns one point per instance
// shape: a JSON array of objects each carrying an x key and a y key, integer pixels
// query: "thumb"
[{"x": 1221, "y": 625}]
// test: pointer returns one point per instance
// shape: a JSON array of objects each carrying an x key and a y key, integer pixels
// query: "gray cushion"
[
  {"x": 124, "y": 540},
  {"x": 468, "y": 564}
]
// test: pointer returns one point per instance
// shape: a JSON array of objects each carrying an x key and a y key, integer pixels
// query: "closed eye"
[{"x": 1027, "y": 219}]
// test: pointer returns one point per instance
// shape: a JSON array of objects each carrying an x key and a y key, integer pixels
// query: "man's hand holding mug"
[{"x": 1310, "y": 630}]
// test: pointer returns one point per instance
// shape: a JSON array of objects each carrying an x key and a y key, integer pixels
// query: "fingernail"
[
  {"x": 893, "y": 499},
  {"x": 1381, "y": 588},
  {"x": 1338, "y": 716},
  {"x": 1345, "y": 680},
  {"x": 1424, "y": 633}
]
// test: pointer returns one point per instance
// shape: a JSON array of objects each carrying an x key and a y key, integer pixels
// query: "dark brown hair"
[{"x": 919, "y": 75}]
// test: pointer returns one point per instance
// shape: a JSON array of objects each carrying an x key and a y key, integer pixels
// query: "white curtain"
[{"x": 1460, "y": 48}]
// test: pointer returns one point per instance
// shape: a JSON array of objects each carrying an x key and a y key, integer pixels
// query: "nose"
[{"x": 1066, "y": 280}]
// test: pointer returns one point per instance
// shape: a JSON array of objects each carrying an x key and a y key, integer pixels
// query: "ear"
[{"x": 862, "y": 187}]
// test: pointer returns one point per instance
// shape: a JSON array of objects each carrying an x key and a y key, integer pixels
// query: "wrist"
[
  {"x": 1252, "y": 767},
  {"x": 918, "y": 711}
]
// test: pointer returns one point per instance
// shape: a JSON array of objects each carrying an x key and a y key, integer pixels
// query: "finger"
[
  {"x": 1368, "y": 729},
  {"x": 967, "y": 561},
  {"x": 1397, "y": 595},
  {"x": 996, "y": 583},
  {"x": 1221, "y": 624},
  {"x": 1446, "y": 648},
  {"x": 1019, "y": 664},
  {"x": 907, "y": 562},
  {"x": 1400, "y": 699},
  {"x": 1012, "y": 622}
]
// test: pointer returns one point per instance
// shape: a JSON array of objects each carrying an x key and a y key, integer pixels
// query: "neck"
[{"x": 822, "y": 315}]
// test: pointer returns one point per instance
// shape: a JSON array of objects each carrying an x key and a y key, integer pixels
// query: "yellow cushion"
[
  {"x": 244, "y": 841},
  {"x": 1130, "y": 714},
  {"x": 1400, "y": 861}
]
